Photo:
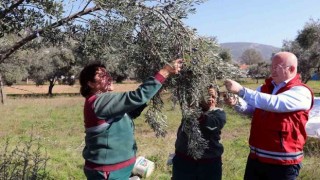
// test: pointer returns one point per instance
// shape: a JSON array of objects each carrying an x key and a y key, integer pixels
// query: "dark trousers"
[
  {"x": 121, "y": 174},
  {"x": 183, "y": 169},
  {"x": 256, "y": 170}
]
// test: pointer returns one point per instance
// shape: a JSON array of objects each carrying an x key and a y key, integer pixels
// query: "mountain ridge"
[{"x": 237, "y": 48}]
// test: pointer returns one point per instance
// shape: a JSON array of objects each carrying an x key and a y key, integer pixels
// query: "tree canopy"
[
  {"x": 128, "y": 36},
  {"x": 306, "y": 46},
  {"x": 251, "y": 56},
  {"x": 260, "y": 70},
  {"x": 225, "y": 54}
]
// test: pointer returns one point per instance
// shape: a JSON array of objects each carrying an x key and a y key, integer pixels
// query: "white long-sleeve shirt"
[{"x": 296, "y": 98}]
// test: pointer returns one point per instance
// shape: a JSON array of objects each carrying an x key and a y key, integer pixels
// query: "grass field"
[
  {"x": 43, "y": 89},
  {"x": 58, "y": 123}
]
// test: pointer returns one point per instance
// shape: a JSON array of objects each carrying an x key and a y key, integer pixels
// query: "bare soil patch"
[{"x": 43, "y": 89}]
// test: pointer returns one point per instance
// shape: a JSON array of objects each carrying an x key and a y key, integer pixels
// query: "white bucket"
[
  {"x": 169, "y": 161},
  {"x": 143, "y": 167}
]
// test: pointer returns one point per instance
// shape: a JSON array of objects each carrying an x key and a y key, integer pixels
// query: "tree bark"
[
  {"x": 51, "y": 87},
  {"x": 52, "y": 82},
  {"x": 1, "y": 91}
]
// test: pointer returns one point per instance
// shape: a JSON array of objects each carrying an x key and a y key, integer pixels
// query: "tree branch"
[
  {"x": 13, "y": 6},
  {"x": 86, "y": 5},
  {"x": 7, "y": 52}
]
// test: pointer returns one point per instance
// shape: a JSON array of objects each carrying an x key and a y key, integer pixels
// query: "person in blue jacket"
[{"x": 110, "y": 146}]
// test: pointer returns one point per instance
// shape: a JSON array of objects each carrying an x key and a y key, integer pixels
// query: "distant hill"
[{"x": 237, "y": 48}]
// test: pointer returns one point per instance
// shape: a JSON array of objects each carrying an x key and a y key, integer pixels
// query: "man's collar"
[{"x": 283, "y": 82}]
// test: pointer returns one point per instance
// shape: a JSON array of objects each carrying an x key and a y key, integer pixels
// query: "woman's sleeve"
[{"x": 109, "y": 105}]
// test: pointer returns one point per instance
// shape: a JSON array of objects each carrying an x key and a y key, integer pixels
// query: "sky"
[{"x": 258, "y": 21}]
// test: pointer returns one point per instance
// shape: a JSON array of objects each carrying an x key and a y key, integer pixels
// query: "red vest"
[{"x": 278, "y": 138}]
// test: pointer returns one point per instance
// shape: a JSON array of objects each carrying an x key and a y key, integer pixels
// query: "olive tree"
[
  {"x": 14, "y": 68},
  {"x": 251, "y": 56},
  {"x": 142, "y": 35},
  {"x": 51, "y": 64},
  {"x": 225, "y": 54},
  {"x": 31, "y": 19},
  {"x": 260, "y": 70},
  {"x": 306, "y": 46}
]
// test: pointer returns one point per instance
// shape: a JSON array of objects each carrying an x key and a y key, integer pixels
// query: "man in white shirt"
[{"x": 279, "y": 110}]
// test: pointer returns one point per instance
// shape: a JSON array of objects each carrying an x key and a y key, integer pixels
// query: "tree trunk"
[
  {"x": 50, "y": 87},
  {"x": 1, "y": 91}
]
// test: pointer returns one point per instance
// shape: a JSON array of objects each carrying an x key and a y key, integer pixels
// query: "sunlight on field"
[
  {"x": 32, "y": 89},
  {"x": 43, "y": 89},
  {"x": 58, "y": 122}
]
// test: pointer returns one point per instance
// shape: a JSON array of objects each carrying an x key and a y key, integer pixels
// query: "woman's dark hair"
[{"x": 87, "y": 74}]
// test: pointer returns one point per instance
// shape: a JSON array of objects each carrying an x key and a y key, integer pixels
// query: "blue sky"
[{"x": 259, "y": 21}]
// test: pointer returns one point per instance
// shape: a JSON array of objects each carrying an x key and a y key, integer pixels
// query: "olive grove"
[{"x": 50, "y": 38}]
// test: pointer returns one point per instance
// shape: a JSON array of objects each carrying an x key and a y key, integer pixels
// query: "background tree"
[
  {"x": 13, "y": 73},
  {"x": 259, "y": 71},
  {"x": 14, "y": 68},
  {"x": 50, "y": 65},
  {"x": 29, "y": 20},
  {"x": 251, "y": 56},
  {"x": 225, "y": 55},
  {"x": 306, "y": 47}
]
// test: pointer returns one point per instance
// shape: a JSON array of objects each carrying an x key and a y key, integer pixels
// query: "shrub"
[
  {"x": 312, "y": 147},
  {"x": 24, "y": 161}
]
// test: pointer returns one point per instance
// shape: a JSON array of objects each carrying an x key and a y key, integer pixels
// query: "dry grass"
[
  {"x": 43, "y": 89},
  {"x": 59, "y": 123}
]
